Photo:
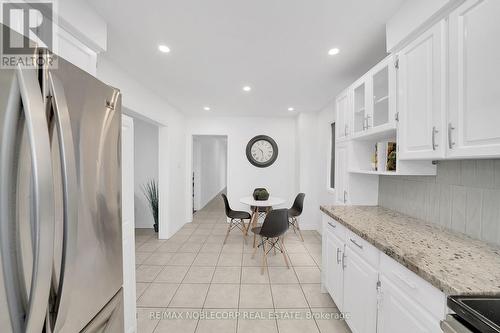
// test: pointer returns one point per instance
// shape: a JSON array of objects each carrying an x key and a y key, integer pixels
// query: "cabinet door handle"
[
  {"x": 345, "y": 195},
  {"x": 343, "y": 260},
  {"x": 339, "y": 260},
  {"x": 434, "y": 132},
  {"x": 356, "y": 243},
  {"x": 345, "y": 130},
  {"x": 332, "y": 225},
  {"x": 368, "y": 117},
  {"x": 450, "y": 139}
]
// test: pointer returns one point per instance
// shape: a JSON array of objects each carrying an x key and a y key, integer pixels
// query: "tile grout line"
[
  {"x": 243, "y": 252},
  {"x": 180, "y": 283},
  {"x": 210, "y": 284}
]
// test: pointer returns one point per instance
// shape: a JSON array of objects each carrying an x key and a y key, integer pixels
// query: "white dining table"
[{"x": 256, "y": 204}]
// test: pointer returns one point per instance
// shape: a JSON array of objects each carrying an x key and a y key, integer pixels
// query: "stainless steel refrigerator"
[{"x": 60, "y": 201}]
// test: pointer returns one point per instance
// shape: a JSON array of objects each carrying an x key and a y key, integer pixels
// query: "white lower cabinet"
[
  {"x": 373, "y": 291},
  {"x": 360, "y": 293},
  {"x": 334, "y": 272},
  {"x": 396, "y": 311}
]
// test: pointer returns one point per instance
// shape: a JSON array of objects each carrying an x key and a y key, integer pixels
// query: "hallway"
[{"x": 193, "y": 273}]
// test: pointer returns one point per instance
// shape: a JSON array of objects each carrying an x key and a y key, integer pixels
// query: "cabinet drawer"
[
  {"x": 364, "y": 249},
  {"x": 413, "y": 286},
  {"x": 335, "y": 227}
]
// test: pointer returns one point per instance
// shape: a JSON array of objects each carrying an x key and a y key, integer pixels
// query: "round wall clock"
[{"x": 262, "y": 151}]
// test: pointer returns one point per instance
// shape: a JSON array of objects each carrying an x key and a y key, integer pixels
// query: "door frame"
[
  {"x": 189, "y": 165},
  {"x": 128, "y": 224},
  {"x": 164, "y": 231}
]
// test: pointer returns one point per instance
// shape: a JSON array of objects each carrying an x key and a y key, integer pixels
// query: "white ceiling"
[{"x": 278, "y": 47}]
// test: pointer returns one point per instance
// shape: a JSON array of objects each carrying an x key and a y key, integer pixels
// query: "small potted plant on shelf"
[{"x": 150, "y": 190}]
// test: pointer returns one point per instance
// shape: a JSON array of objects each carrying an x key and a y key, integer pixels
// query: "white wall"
[
  {"x": 313, "y": 156},
  {"x": 172, "y": 137},
  {"x": 412, "y": 17},
  {"x": 308, "y": 168},
  {"x": 79, "y": 33},
  {"x": 209, "y": 167},
  {"x": 242, "y": 177},
  {"x": 325, "y": 118},
  {"x": 145, "y": 169}
]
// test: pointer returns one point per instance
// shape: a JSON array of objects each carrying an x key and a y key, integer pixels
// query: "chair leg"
[
  {"x": 254, "y": 251},
  {"x": 247, "y": 227},
  {"x": 264, "y": 256},
  {"x": 298, "y": 228},
  {"x": 250, "y": 223},
  {"x": 228, "y": 231},
  {"x": 243, "y": 227},
  {"x": 285, "y": 254}
]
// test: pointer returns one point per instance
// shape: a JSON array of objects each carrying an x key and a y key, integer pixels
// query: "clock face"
[{"x": 262, "y": 151}]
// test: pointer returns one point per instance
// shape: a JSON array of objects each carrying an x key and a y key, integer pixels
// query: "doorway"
[
  {"x": 209, "y": 177},
  {"x": 146, "y": 165}
]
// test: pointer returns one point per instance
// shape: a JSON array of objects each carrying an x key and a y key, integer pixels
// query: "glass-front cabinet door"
[
  {"x": 359, "y": 105},
  {"x": 383, "y": 94},
  {"x": 373, "y": 99},
  {"x": 381, "y": 97}
]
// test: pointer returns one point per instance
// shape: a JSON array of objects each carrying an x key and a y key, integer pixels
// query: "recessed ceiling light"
[
  {"x": 163, "y": 48},
  {"x": 291, "y": 109},
  {"x": 206, "y": 108},
  {"x": 333, "y": 51},
  {"x": 247, "y": 88}
]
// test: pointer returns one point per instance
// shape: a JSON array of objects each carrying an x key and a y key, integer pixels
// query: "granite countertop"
[{"x": 453, "y": 263}]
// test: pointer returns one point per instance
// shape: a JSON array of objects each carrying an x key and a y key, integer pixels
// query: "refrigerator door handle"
[
  {"x": 70, "y": 199},
  {"x": 43, "y": 194},
  {"x": 38, "y": 134}
]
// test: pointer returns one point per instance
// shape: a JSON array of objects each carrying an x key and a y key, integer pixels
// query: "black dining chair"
[
  {"x": 237, "y": 218},
  {"x": 294, "y": 212},
  {"x": 271, "y": 233}
]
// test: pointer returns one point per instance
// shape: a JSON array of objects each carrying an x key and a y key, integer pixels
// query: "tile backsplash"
[{"x": 463, "y": 197}]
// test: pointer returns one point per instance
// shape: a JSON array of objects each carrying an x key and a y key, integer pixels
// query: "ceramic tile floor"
[{"x": 194, "y": 283}]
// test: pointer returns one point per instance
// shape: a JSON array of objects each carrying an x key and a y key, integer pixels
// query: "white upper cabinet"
[
  {"x": 360, "y": 109},
  {"x": 474, "y": 106},
  {"x": 342, "y": 108},
  {"x": 373, "y": 100},
  {"x": 421, "y": 93},
  {"x": 383, "y": 95}
]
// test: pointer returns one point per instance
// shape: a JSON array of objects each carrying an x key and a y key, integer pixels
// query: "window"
[{"x": 332, "y": 158}]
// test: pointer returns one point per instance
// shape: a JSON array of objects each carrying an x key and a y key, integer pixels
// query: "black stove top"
[{"x": 480, "y": 312}]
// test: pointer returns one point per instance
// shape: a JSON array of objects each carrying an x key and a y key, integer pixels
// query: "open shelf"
[
  {"x": 388, "y": 173},
  {"x": 376, "y": 133},
  {"x": 379, "y": 173}
]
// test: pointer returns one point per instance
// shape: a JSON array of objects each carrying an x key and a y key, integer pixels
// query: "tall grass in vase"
[{"x": 150, "y": 190}]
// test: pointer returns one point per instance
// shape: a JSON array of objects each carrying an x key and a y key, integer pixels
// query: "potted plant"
[
  {"x": 150, "y": 190},
  {"x": 260, "y": 194}
]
